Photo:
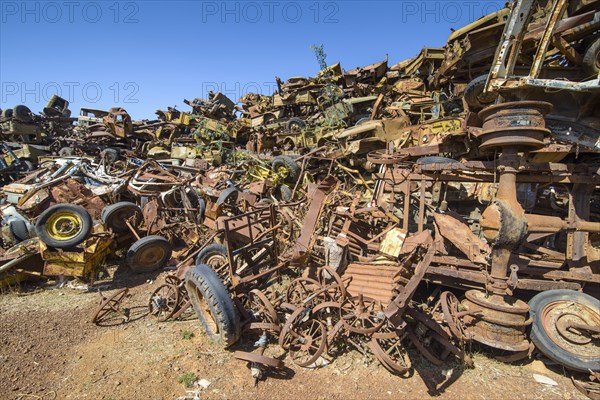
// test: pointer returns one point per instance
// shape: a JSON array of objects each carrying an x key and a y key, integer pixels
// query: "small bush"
[
  {"x": 187, "y": 335},
  {"x": 187, "y": 379}
]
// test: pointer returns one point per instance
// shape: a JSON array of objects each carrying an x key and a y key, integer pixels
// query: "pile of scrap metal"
[{"x": 444, "y": 202}]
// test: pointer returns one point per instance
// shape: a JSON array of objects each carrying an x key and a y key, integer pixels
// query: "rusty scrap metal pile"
[{"x": 447, "y": 200}]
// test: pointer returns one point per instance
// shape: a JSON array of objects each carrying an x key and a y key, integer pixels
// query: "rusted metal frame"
[
  {"x": 421, "y": 207},
  {"x": 256, "y": 261},
  {"x": 542, "y": 263},
  {"x": 247, "y": 220},
  {"x": 514, "y": 32},
  {"x": 560, "y": 275},
  {"x": 147, "y": 175},
  {"x": 455, "y": 261},
  {"x": 447, "y": 276},
  {"x": 570, "y": 28},
  {"x": 396, "y": 308},
  {"x": 556, "y": 255},
  {"x": 249, "y": 223},
  {"x": 133, "y": 230},
  {"x": 315, "y": 209},
  {"x": 553, "y": 168},
  {"x": 489, "y": 178},
  {"x": 558, "y": 8},
  {"x": 260, "y": 275},
  {"x": 158, "y": 166},
  {"x": 406, "y": 214},
  {"x": 579, "y": 210},
  {"x": 383, "y": 233},
  {"x": 521, "y": 83},
  {"x": 565, "y": 48}
]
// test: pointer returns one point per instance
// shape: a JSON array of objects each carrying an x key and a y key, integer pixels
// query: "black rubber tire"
[
  {"x": 213, "y": 305},
  {"x": 66, "y": 152},
  {"x": 474, "y": 93},
  {"x": 209, "y": 251},
  {"x": 22, "y": 113},
  {"x": 201, "y": 210},
  {"x": 591, "y": 59},
  {"x": 197, "y": 201},
  {"x": 229, "y": 196},
  {"x": 283, "y": 193},
  {"x": 150, "y": 261},
  {"x": 290, "y": 164},
  {"x": 111, "y": 155},
  {"x": 295, "y": 123},
  {"x": 114, "y": 216},
  {"x": 19, "y": 229},
  {"x": 8, "y": 113},
  {"x": 82, "y": 234},
  {"x": 545, "y": 344}
]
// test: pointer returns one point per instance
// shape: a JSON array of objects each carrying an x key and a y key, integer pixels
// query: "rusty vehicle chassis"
[{"x": 534, "y": 275}]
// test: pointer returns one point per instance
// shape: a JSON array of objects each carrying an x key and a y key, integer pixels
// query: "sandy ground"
[{"x": 50, "y": 350}]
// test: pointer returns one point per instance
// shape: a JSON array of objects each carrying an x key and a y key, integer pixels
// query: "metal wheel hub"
[
  {"x": 64, "y": 225},
  {"x": 501, "y": 321},
  {"x": 564, "y": 322}
]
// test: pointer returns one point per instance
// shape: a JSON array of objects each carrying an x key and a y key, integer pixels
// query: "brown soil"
[{"x": 51, "y": 350}]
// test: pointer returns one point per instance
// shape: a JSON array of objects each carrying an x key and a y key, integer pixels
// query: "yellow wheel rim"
[{"x": 64, "y": 225}]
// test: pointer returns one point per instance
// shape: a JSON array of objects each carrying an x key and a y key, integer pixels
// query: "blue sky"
[{"x": 144, "y": 55}]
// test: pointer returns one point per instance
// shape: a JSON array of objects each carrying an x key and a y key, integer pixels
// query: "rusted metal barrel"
[{"x": 517, "y": 124}]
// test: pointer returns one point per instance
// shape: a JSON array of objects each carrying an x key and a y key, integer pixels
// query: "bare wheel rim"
[
  {"x": 303, "y": 291},
  {"x": 163, "y": 302},
  {"x": 362, "y": 315},
  {"x": 558, "y": 319},
  {"x": 309, "y": 344}
]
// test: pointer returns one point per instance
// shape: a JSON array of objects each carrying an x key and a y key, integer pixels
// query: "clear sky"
[{"x": 144, "y": 55}]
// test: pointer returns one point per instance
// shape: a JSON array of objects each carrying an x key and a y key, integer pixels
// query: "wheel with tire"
[
  {"x": 591, "y": 59},
  {"x": 7, "y": 114},
  {"x": 197, "y": 201},
  {"x": 474, "y": 95},
  {"x": 213, "y": 305},
  {"x": 287, "y": 168},
  {"x": 228, "y": 196},
  {"x": 215, "y": 256},
  {"x": 201, "y": 210},
  {"x": 283, "y": 193},
  {"x": 111, "y": 155},
  {"x": 22, "y": 113},
  {"x": 64, "y": 225},
  {"x": 19, "y": 230},
  {"x": 117, "y": 215},
  {"x": 565, "y": 326},
  {"x": 149, "y": 254},
  {"x": 295, "y": 124},
  {"x": 66, "y": 152}
]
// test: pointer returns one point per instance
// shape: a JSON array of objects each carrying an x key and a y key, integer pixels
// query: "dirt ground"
[{"x": 50, "y": 350}]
